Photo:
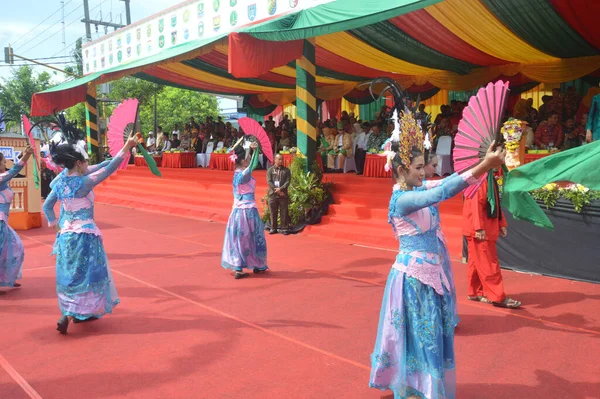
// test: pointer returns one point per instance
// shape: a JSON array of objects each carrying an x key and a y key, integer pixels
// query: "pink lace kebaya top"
[
  {"x": 77, "y": 198},
  {"x": 415, "y": 221}
]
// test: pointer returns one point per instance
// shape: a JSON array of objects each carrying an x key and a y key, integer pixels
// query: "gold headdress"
[
  {"x": 407, "y": 133},
  {"x": 411, "y": 136}
]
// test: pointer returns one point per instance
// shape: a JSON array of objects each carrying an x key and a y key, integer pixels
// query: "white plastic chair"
[
  {"x": 443, "y": 152},
  {"x": 204, "y": 159},
  {"x": 220, "y": 145},
  {"x": 210, "y": 147}
]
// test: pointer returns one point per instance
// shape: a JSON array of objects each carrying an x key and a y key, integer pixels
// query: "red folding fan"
[
  {"x": 478, "y": 128},
  {"x": 252, "y": 128},
  {"x": 122, "y": 123}
]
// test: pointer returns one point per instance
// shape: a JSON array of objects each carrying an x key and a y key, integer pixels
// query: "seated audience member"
[{"x": 549, "y": 133}]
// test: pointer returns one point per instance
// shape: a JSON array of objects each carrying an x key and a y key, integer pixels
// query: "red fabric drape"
[
  {"x": 512, "y": 101},
  {"x": 220, "y": 60},
  {"x": 420, "y": 88},
  {"x": 324, "y": 112},
  {"x": 427, "y": 30},
  {"x": 582, "y": 15},
  {"x": 250, "y": 57},
  {"x": 44, "y": 104},
  {"x": 334, "y": 108},
  {"x": 254, "y": 102},
  {"x": 277, "y": 115}
]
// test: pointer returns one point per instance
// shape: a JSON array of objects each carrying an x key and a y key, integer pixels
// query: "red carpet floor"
[{"x": 187, "y": 329}]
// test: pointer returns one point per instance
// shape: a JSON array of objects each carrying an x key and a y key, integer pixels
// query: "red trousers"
[{"x": 484, "y": 275}]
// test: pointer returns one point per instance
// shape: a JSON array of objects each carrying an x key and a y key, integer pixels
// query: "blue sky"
[
  {"x": 45, "y": 17},
  {"x": 46, "y": 39}
]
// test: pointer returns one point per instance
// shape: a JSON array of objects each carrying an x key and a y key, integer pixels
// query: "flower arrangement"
[
  {"x": 579, "y": 195},
  {"x": 512, "y": 130}
]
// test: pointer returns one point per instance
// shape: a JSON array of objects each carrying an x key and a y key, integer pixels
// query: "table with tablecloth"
[
  {"x": 139, "y": 160},
  {"x": 221, "y": 162},
  {"x": 529, "y": 157},
  {"x": 179, "y": 160},
  {"x": 374, "y": 166}
]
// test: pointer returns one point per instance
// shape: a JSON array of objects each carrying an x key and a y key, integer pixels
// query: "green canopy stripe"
[
  {"x": 206, "y": 67},
  {"x": 386, "y": 37},
  {"x": 337, "y": 16},
  {"x": 547, "y": 31}
]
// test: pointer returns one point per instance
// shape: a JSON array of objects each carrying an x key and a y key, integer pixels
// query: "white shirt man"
[
  {"x": 167, "y": 145},
  {"x": 361, "y": 139},
  {"x": 151, "y": 142}
]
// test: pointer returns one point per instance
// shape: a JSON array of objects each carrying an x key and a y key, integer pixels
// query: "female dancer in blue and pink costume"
[
  {"x": 431, "y": 163},
  {"x": 414, "y": 351},
  {"x": 244, "y": 246},
  {"x": 11, "y": 247},
  {"x": 84, "y": 283}
]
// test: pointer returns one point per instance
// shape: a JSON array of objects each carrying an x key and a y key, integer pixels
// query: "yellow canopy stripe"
[
  {"x": 346, "y": 46},
  {"x": 203, "y": 76},
  {"x": 475, "y": 24},
  {"x": 291, "y": 73},
  {"x": 330, "y": 92}
]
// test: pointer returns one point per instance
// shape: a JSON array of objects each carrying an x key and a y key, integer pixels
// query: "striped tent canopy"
[{"x": 425, "y": 45}]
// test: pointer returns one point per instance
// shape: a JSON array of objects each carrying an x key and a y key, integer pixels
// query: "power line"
[
  {"x": 58, "y": 52},
  {"x": 51, "y": 58},
  {"x": 38, "y": 25},
  {"x": 43, "y": 41},
  {"x": 49, "y": 63}
]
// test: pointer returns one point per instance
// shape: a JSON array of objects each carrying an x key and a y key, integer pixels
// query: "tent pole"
[
  {"x": 91, "y": 122},
  {"x": 306, "y": 102}
]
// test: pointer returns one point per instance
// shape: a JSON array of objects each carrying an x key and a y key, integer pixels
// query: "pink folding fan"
[
  {"x": 478, "y": 127},
  {"x": 121, "y": 125}
]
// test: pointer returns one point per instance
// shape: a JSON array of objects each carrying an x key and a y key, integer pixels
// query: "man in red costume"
[{"x": 483, "y": 222}]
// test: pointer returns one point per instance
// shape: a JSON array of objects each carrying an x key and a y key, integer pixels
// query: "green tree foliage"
[
  {"x": 16, "y": 92},
  {"x": 77, "y": 113},
  {"x": 176, "y": 106},
  {"x": 130, "y": 87}
]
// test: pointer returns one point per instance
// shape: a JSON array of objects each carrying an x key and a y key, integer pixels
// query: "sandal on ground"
[
  {"x": 258, "y": 271},
  {"x": 16, "y": 285},
  {"x": 507, "y": 303},
  {"x": 62, "y": 325},
  {"x": 239, "y": 275},
  {"x": 478, "y": 298}
]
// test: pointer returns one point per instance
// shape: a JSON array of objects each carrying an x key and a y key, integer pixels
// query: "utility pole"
[
  {"x": 127, "y": 12},
  {"x": 64, "y": 42},
  {"x": 89, "y": 22},
  {"x": 86, "y": 14}
]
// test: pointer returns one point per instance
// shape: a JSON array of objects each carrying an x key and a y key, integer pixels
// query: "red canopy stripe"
[
  {"x": 582, "y": 15},
  {"x": 427, "y": 30}
]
